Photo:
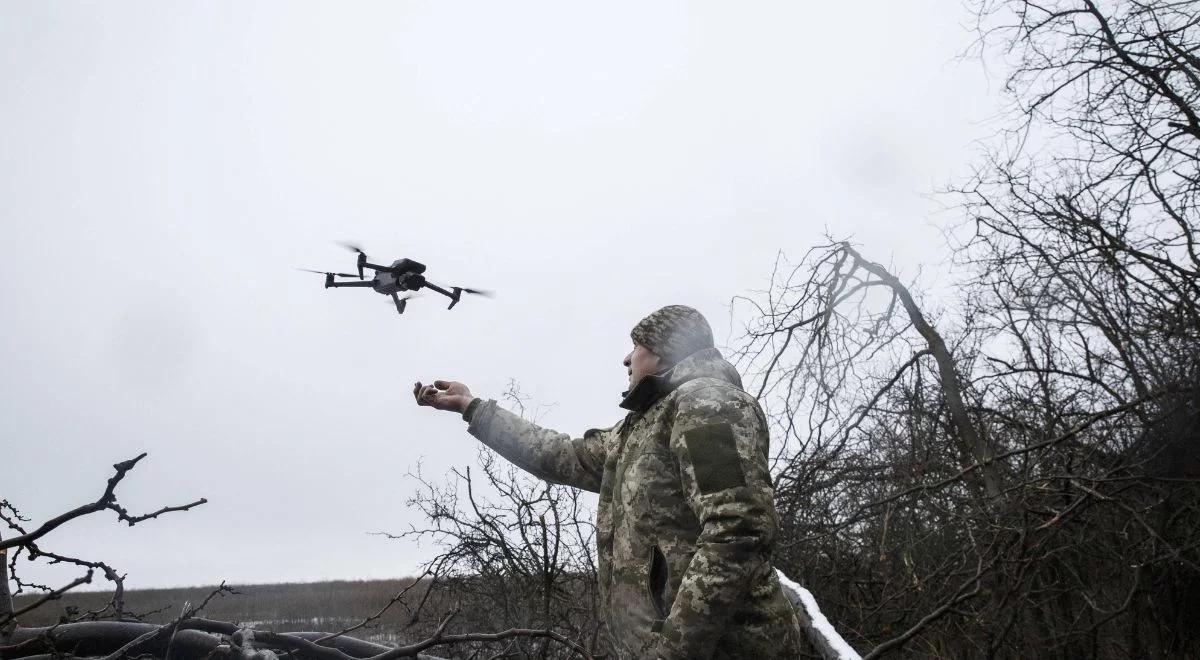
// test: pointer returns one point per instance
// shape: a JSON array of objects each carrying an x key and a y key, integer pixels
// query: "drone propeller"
[
  {"x": 478, "y": 292},
  {"x": 362, "y": 257},
  {"x": 473, "y": 292},
  {"x": 325, "y": 272}
]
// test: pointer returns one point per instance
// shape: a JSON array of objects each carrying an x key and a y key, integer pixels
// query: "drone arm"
[
  {"x": 431, "y": 285},
  {"x": 336, "y": 285},
  {"x": 457, "y": 293}
]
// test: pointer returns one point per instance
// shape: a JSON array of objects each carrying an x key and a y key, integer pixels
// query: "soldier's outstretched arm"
[
  {"x": 545, "y": 453},
  {"x": 720, "y": 440}
]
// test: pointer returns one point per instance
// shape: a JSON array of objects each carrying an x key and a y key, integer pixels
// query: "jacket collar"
[{"x": 705, "y": 363}]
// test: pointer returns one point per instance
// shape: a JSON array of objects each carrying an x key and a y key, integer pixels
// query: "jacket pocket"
[{"x": 656, "y": 585}]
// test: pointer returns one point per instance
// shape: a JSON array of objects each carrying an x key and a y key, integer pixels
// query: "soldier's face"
[{"x": 640, "y": 362}]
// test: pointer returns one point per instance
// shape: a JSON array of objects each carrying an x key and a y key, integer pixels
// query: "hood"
[{"x": 705, "y": 363}]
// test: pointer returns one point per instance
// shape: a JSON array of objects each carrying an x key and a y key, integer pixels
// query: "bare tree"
[
  {"x": 1015, "y": 473},
  {"x": 27, "y": 542}
]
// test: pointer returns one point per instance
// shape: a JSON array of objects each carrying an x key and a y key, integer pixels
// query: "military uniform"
[{"x": 686, "y": 520}]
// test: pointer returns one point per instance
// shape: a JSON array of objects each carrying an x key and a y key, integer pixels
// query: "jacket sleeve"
[
  {"x": 720, "y": 440},
  {"x": 546, "y": 454}
]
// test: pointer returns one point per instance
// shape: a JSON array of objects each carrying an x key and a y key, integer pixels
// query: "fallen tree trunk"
[
  {"x": 102, "y": 638},
  {"x": 823, "y": 636}
]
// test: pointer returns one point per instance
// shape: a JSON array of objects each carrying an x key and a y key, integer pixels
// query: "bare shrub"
[{"x": 517, "y": 552}]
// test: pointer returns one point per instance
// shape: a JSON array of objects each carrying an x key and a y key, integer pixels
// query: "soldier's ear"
[{"x": 658, "y": 358}]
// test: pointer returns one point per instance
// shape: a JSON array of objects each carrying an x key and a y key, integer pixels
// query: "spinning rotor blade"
[
  {"x": 362, "y": 257},
  {"x": 478, "y": 292},
  {"x": 325, "y": 272}
]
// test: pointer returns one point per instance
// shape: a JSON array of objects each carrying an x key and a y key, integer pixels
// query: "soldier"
[{"x": 686, "y": 521}]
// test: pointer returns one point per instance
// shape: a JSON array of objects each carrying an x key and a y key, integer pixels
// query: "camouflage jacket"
[{"x": 686, "y": 519}]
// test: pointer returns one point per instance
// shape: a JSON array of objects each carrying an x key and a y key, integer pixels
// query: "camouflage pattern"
[
  {"x": 673, "y": 333},
  {"x": 686, "y": 519}
]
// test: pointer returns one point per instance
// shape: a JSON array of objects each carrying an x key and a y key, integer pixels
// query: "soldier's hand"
[{"x": 443, "y": 395}]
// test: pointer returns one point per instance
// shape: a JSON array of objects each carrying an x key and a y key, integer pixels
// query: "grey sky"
[{"x": 164, "y": 165}]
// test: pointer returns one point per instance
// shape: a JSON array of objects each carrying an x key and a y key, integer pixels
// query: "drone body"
[{"x": 402, "y": 275}]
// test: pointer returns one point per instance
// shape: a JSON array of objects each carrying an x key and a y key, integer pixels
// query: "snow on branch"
[{"x": 820, "y": 632}]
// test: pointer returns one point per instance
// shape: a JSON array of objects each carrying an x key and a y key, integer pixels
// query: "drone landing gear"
[{"x": 401, "y": 303}]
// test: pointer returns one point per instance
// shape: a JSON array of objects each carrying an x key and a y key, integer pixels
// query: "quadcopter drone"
[{"x": 402, "y": 275}]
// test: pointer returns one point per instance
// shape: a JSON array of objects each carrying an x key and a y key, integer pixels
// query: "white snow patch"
[{"x": 797, "y": 593}]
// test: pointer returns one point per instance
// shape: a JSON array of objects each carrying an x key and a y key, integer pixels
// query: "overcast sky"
[{"x": 165, "y": 165}]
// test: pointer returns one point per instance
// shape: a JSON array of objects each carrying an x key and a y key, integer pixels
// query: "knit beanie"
[{"x": 673, "y": 333}]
